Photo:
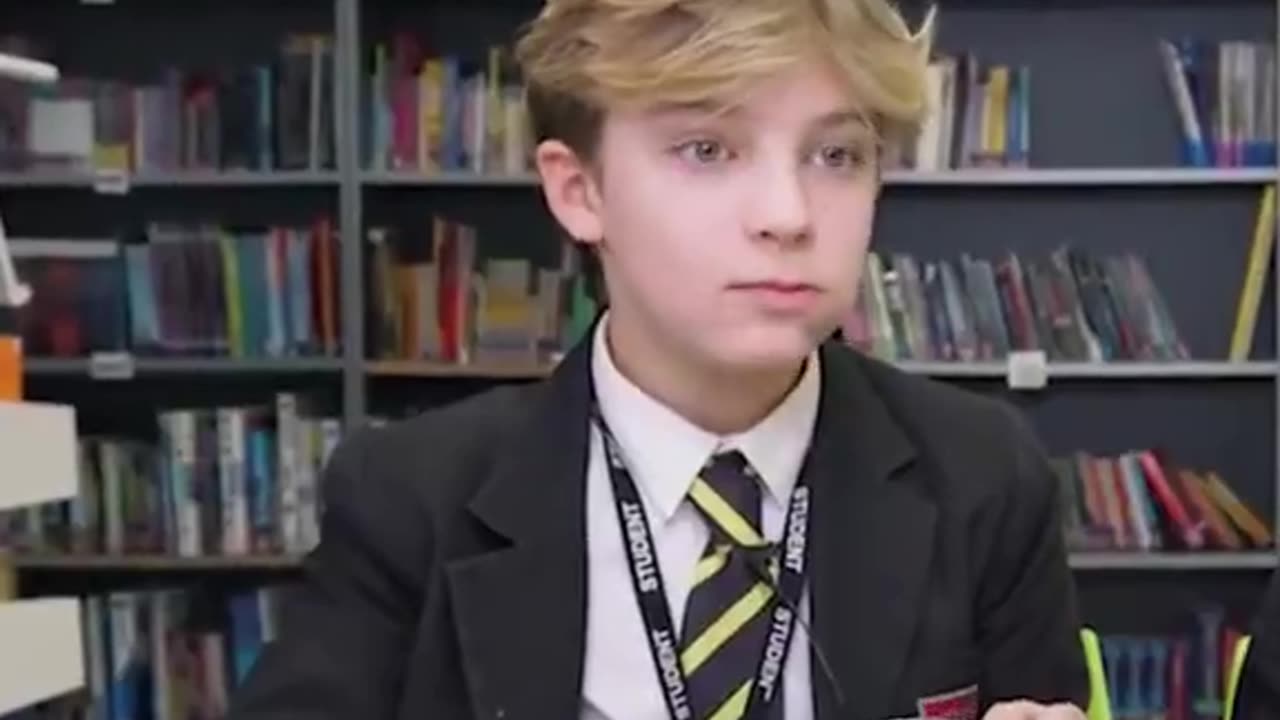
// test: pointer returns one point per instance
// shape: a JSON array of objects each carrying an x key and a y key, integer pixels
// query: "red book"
[{"x": 1190, "y": 534}]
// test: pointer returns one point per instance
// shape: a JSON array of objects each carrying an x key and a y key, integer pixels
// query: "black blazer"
[
  {"x": 450, "y": 580},
  {"x": 1258, "y": 697}
]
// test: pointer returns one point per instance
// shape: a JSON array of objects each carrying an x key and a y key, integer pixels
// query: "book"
[
  {"x": 273, "y": 112},
  {"x": 227, "y": 481},
  {"x": 1142, "y": 500},
  {"x": 1074, "y": 305}
]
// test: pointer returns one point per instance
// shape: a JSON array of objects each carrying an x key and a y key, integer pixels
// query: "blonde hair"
[{"x": 582, "y": 57}]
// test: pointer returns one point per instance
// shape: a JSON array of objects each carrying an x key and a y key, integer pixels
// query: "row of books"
[
  {"x": 184, "y": 290},
  {"x": 428, "y": 114},
  {"x": 980, "y": 117},
  {"x": 1075, "y": 306},
  {"x": 434, "y": 299},
  {"x": 166, "y": 654},
  {"x": 173, "y": 654},
  {"x": 276, "y": 114},
  {"x": 231, "y": 481},
  {"x": 1224, "y": 95},
  {"x": 1175, "y": 676},
  {"x": 1141, "y": 500}
]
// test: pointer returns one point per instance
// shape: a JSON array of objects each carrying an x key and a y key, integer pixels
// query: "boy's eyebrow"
[
  {"x": 699, "y": 107},
  {"x": 838, "y": 118}
]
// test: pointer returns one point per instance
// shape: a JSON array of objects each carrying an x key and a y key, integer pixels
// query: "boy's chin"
[{"x": 775, "y": 349}]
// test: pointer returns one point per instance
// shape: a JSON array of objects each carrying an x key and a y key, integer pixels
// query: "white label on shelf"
[
  {"x": 111, "y": 366},
  {"x": 1028, "y": 370},
  {"x": 111, "y": 182}
]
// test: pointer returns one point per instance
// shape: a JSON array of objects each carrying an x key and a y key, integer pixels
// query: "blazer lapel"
[
  {"x": 521, "y": 610},
  {"x": 873, "y": 534}
]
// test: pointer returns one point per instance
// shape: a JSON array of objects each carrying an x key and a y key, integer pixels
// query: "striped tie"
[{"x": 726, "y": 620}]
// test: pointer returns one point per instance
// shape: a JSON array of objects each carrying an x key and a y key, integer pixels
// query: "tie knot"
[{"x": 727, "y": 492}]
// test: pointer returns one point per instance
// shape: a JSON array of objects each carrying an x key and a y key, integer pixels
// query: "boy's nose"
[{"x": 778, "y": 209}]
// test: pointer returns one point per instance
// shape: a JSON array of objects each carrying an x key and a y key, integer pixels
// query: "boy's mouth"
[
  {"x": 782, "y": 287},
  {"x": 779, "y": 296}
]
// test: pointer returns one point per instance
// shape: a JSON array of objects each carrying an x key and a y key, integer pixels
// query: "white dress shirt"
[{"x": 664, "y": 453}]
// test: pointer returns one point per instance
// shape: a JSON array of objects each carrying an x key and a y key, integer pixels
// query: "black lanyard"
[{"x": 646, "y": 580}]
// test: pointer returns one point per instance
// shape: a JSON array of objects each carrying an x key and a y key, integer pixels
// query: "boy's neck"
[{"x": 718, "y": 401}]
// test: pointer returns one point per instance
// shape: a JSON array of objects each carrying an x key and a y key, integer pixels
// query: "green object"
[
  {"x": 1099, "y": 696},
  {"x": 1233, "y": 680},
  {"x": 582, "y": 310}
]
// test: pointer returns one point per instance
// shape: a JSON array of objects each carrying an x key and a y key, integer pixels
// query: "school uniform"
[{"x": 494, "y": 559}]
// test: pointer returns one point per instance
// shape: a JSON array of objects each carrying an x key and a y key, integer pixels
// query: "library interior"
[{"x": 235, "y": 232}]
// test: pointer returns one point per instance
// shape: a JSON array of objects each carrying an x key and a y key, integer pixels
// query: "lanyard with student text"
[{"x": 646, "y": 580}]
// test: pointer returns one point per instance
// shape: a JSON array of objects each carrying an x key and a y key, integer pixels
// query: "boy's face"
[{"x": 736, "y": 238}]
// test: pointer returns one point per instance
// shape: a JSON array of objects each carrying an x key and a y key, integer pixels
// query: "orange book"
[
  {"x": 1215, "y": 523},
  {"x": 10, "y": 368},
  {"x": 326, "y": 252},
  {"x": 1240, "y": 515}
]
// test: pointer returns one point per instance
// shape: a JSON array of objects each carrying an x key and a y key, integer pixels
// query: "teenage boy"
[{"x": 709, "y": 510}]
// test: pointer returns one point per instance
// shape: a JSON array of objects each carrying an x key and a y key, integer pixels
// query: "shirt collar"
[{"x": 664, "y": 451}]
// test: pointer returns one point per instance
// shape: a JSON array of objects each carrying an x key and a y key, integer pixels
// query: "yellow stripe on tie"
[
  {"x": 736, "y": 706},
  {"x": 724, "y": 627},
  {"x": 708, "y": 566},
  {"x": 723, "y": 514}
]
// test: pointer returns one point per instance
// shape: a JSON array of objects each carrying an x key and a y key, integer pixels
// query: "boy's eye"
[
  {"x": 704, "y": 152},
  {"x": 839, "y": 156}
]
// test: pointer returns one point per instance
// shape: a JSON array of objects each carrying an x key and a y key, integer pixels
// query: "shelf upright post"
[
  {"x": 1275, "y": 278},
  {"x": 348, "y": 49}
]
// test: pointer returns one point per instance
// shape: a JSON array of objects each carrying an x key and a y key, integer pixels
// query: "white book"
[
  {"x": 38, "y": 445},
  {"x": 41, "y": 656},
  {"x": 231, "y": 481},
  {"x": 287, "y": 470},
  {"x": 180, "y": 427},
  {"x": 111, "y": 460}
]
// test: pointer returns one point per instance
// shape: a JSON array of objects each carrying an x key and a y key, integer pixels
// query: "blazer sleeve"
[
  {"x": 340, "y": 650},
  {"x": 1027, "y": 616},
  {"x": 1258, "y": 696}
]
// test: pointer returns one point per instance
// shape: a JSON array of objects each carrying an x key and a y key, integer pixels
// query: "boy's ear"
[{"x": 571, "y": 190}]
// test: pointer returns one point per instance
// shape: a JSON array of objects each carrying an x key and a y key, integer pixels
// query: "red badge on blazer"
[{"x": 959, "y": 704}]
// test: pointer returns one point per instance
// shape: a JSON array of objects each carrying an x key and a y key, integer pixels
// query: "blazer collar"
[
  {"x": 521, "y": 609},
  {"x": 873, "y": 528}
]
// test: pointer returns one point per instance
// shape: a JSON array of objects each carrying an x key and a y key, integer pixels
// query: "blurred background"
[{"x": 252, "y": 225}]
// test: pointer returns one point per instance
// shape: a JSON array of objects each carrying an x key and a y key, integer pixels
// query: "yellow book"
[
  {"x": 8, "y": 586},
  {"x": 998, "y": 104},
  {"x": 431, "y": 117},
  {"x": 495, "y": 120},
  {"x": 1264, "y": 237},
  {"x": 231, "y": 294},
  {"x": 1244, "y": 518}
]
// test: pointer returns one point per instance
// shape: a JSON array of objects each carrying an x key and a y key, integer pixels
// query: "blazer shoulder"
[
  {"x": 440, "y": 455},
  {"x": 979, "y": 444},
  {"x": 932, "y": 409}
]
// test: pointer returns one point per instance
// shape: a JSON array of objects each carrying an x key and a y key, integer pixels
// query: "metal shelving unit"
[
  {"x": 1173, "y": 561},
  {"x": 79, "y": 562},
  {"x": 119, "y": 182},
  {"x": 1030, "y": 177},
  {"x": 356, "y": 372},
  {"x": 190, "y": 366}
]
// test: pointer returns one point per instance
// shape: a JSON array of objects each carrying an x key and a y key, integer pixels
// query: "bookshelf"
[
  {"x": 1106, "y": 178},
  {"x": 1085, "y": 177}
]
